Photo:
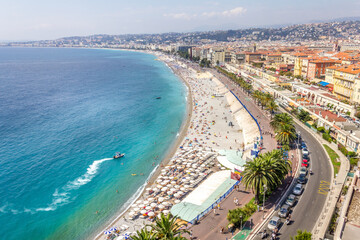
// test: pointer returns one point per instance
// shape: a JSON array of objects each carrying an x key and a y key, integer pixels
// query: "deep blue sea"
[{"x": 63, "y": 114}]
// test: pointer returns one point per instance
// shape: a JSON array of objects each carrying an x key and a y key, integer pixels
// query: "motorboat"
[
  {"x": 158, "y": 98},
  {"x": 119, "y": 155}
]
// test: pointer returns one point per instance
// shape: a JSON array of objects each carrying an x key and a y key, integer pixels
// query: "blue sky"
[{"x": 49, "y": 19}]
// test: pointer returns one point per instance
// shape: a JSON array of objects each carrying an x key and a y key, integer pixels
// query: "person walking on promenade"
[{"x": 214, "y": 211}]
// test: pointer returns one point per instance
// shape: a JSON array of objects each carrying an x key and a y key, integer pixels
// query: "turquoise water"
[{"x": 63, "y": 114}]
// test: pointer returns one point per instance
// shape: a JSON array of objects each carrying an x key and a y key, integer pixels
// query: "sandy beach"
[{"x": 215, "y": 123}]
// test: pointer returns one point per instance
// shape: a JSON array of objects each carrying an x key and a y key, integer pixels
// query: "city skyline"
[{"x": 21, "y": 20}]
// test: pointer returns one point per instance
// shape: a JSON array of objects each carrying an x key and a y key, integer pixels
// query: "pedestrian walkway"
[{"x": 210, "y": 225}]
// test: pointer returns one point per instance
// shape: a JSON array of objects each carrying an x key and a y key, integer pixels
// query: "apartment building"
[{"x": 347, "y": 83}]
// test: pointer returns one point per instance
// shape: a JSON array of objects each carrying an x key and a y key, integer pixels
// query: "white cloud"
[
  {"x": 227, "y": 13},
  {"x": 180, "y": 15}
]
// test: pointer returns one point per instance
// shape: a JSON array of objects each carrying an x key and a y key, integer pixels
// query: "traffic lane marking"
[{"x": 324, "y": 187}]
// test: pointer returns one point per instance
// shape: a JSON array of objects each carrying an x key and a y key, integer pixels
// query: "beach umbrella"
[
  {"x": 161, "y": 199},
  {"x": 164, "y": 189},
  {"x": 136, "y": 209},
  {"x": 169, "y": 192},
  {"x": 165, "y": 177},
  {"x": 167, "y": 167},
  {"x": 146, "y": 202},
  {"x": 192, "y": 181},
  {"x": 113, "y": 229},
  {"x": 124, "y": 227},
  {"x": 143, "y": 211},
  {"x": 153, "y": 204},
  {"x": 131, "y": 213},
  {"x": 180, "y": 192},
  {"x": 151, "y": 214},
  {"x": 159, "y": 180},
  {"x": 186, "y": 186},
  {"x": 161, "y": 206},
  {"x": 139, "y": 201},
  {"x": 173, "y": 189},
  {"x": 163, "y": 170},
  {"x": 173, "y": 182},
  {"x": 166, "y": 212},
  {"x": 177, "y": 195},
  {"x": 148, "y": 189},
  {"x": 167, "y": 204},
  {"x": 155, "y": 189},
  {"x": 177, "y": 201},
  {"x": 148, "y": 208},
  {"x": 134, "y": 205},
  {"x": 159, "y": 186},
  {"x": 107, "y": 232},
  {"x": 182, "y": 189},
  {"x": 177, "y": 186},
  {"x": 141, "y": 206},
  {"x": 151, "y": 199}
]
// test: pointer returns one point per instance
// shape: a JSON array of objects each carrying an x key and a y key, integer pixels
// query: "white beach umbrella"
[
  {"x": 134, "y": 205},
  {"x": 173, "y": 189},
  {"x": 146, "y": 202},
  {"x": 143, "y": 211},
  {"x": 177, "y": 195},
  {"x": 148, "y": 189},
  {"x": 177, "y": 201},
  {"x": 169, "y": 192},
  {"x": 131, "y": 213},
  {"x": 161, "y": 206},
  {"x": 166, "y": 212},
  {"x": 159, "y": 186},
  {"x": 186, "y": 186},
  {"x": 167, "y": 167},
  {"x": 163, "y": 170},
  {"x": 141, "y": 205},
  {"x": 155, "y": 189},
  {"x": 192, "y": 181},
  {"x": 161, "y": 199},
  {"x": 177, "y": 186},
  {"x": 165, "y": 177},
  {"x": 173, "y": 182},
  {"x": 136, "y": 209},
  {"x": 139, "y": 201},
  {"x": 182, "y": 189},
  {"x": 153, "y": 205},
  {"x": 151, "y": 214},
  {"x": 164, "y": 189},
  {"x": 159, "y": 180},
  {"x": 148, "y": 208},
  {"x": 167, "y": 204}
]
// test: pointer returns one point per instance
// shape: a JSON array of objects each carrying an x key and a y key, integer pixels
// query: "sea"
[{"x": 64, "y": 113}]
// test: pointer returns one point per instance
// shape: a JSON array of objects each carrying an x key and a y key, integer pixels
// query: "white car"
[
  {"x": 305, "y": 151},
  {"x": 298, "y": 189},
  {"x": 274, "y": 223},
  {"x": 303, "y": 170}
]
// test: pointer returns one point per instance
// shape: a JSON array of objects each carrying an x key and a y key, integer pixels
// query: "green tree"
[
  {"x": 285, "y": 134},
  {"x": 267, "y": 170},
  {"x": 271, "y": 107},
  {"x": 144, "y": 234},
  {"x": 304, "y": 115},
  {"x": 281, "y": 119},
  {"x": 166, "y": 228},
  {"x": 302, "y": 235}
]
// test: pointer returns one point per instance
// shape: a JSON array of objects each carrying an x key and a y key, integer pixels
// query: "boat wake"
[{"x": 62, "y": 196}]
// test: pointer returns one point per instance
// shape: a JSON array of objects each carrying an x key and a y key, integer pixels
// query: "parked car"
[
  {"x": 274, "y": 223},
  {"x": 305, "y": 163},
  {"x": 298, "y": 189},
  {"x": 307, "y": 157},
  {"x": 303, "y": 144},
  {"x": 290, "y": 200},
  {"x": 305, "y": 151},
  {"x": 284, "y": 210},
  {"x": 303, "y": 170},
  {"x": 301, "y": 178}
]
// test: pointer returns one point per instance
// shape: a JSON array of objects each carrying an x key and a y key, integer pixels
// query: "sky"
[{"x": 22, "y": 20}]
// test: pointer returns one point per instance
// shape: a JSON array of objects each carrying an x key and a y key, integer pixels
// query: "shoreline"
[{"x": 168, "y": 155}]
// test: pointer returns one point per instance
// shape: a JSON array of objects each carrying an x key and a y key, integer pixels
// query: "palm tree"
[
  {"x": 144, "y": 234},
  {"x": 267, "y": 170},
  {"x": 272, "y": 106},
  {"x": 167, "y": 228},
  {"x": 285, "y": 133},
  {"x": 281, "y": 119}
]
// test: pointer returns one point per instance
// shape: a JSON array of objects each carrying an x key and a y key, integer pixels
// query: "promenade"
[{"x": 209, "y": 227}]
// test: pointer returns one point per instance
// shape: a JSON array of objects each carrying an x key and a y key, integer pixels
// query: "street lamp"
[{"x": 265, "y": 188}]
